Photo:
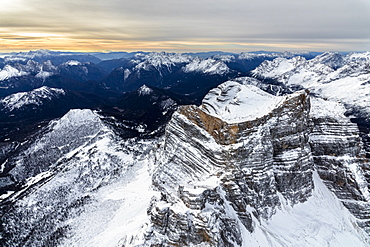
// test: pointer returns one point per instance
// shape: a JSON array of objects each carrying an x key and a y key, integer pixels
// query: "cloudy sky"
[{"x": 186, "y": 25}]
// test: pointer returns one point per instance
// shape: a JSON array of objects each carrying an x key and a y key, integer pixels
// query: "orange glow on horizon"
[{"x": 35, "y": 41}]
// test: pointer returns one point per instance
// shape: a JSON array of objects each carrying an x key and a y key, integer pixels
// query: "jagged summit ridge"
[
  {"x": 35, "y": 97},
  {"x": 92, "y": 174},
  {"x": 331, "y": 75},
  {"x": 8, "y": 72},
  {"x": 208, "y": 66}
]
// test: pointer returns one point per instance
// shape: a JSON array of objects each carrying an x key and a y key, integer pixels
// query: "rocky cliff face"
[
  {"x": 339, "y": 156},
  {"x": 220, "y": 180},
  {"x": 340, "y": 148}
]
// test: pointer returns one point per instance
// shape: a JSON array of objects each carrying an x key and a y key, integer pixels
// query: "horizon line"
[{"x": 6, "y": 51}]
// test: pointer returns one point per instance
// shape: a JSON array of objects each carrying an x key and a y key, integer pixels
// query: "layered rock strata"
[
  {"x": 230, "y": 174},
  {"x": 340, "y": 158}
]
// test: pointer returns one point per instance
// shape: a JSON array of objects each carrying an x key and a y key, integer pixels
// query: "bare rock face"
[
  {"x": 340, "y": 158},
  {"x": 219, "y": 178},
  {"x": 214, "y": 173}
]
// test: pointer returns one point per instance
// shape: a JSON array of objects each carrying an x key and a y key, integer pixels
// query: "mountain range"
[{"x": 198, "y": 149}]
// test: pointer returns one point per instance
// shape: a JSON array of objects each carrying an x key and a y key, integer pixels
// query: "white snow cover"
[
  {"x": 278, "y": 66},
  {"x": 158, "y": 60},
  {"x": 9, "y": 72},
  {"x": 126, "y": 74},
  {"x": 208, "y": 66},
  {"x": 120, "y": 217},
  {"x": 234, "y": 102},
  {"x": 355, "y": 57},
  {"x": 349, "y": 84},
  {"x": 225, "y": 58},
  {"x": 109, "y": 171},
  {"x": 72, "y": 63},
  {"x": 320, "y": 221},
  {"x": 249, "y": 56},
  {"x": 8, "y": 58},
  {"x": 33, "y": 54},
  {"x": 35, "y": 97},
  {"x": 44, "y": 74},
  {"x": 321, "y": 108},
  {"x": 75, "y": 117}
]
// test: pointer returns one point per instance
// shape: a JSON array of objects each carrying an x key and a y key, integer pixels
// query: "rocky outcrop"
[
  {"x": 340, "y": 158},
  {"x": 230, "y": 174}
]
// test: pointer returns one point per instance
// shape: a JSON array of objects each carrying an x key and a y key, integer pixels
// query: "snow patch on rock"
[{"x": 320, "y": 221}]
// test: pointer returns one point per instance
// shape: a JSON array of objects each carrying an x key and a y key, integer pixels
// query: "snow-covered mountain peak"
[
  {"x": 72, "y": 63},
  {"x": 262, "y": 54},
  {"x": 34, "y": 97},
  {"x": 9, "y": 71},
  {"x": 208, "y": 66},
  {"x": 250, "y": 56},
  {"x": 225, "y": 58},
  {"x": 246, "y": 168},
  {"x": 359, "y": 57},
  {"x": 158, "y": 60},
  {"x": 329, "y": 75},
  {"x": 166, "y": 57},
  {"x": 33, "y": 54},
  {"x": 234, "y": 102},
  {"x": 76, "y": 117},
  {"x": 144, "y": 90},
  {"x": 278, "y": 66},
  {"x": 332, "y": 59}
]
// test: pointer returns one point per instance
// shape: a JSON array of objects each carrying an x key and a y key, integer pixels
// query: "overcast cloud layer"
[{"x": 234, "y": 25}]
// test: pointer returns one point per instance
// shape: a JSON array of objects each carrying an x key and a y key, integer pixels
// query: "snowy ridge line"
[
  {"x": 34, "y": 184},
  {"x": 8, "y": 72},
  {"x": 38, "y": 181},
  {"x": 342, "y": 79},
  {"x": 34, "y": 97}
]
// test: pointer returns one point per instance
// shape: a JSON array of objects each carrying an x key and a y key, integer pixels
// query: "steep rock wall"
[
  {"x": 340, "y": 159},
  {"x": 233, "y": 175}
]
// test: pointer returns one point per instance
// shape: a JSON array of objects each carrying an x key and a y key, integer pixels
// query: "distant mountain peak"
[
  {"x": 207, "y": 66},
  {"x": 145, "y": 90},
  {"x": 9, "y": 71},
  {"x": 34, "y": 97},
  {"x": 72, "y": 63}
]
